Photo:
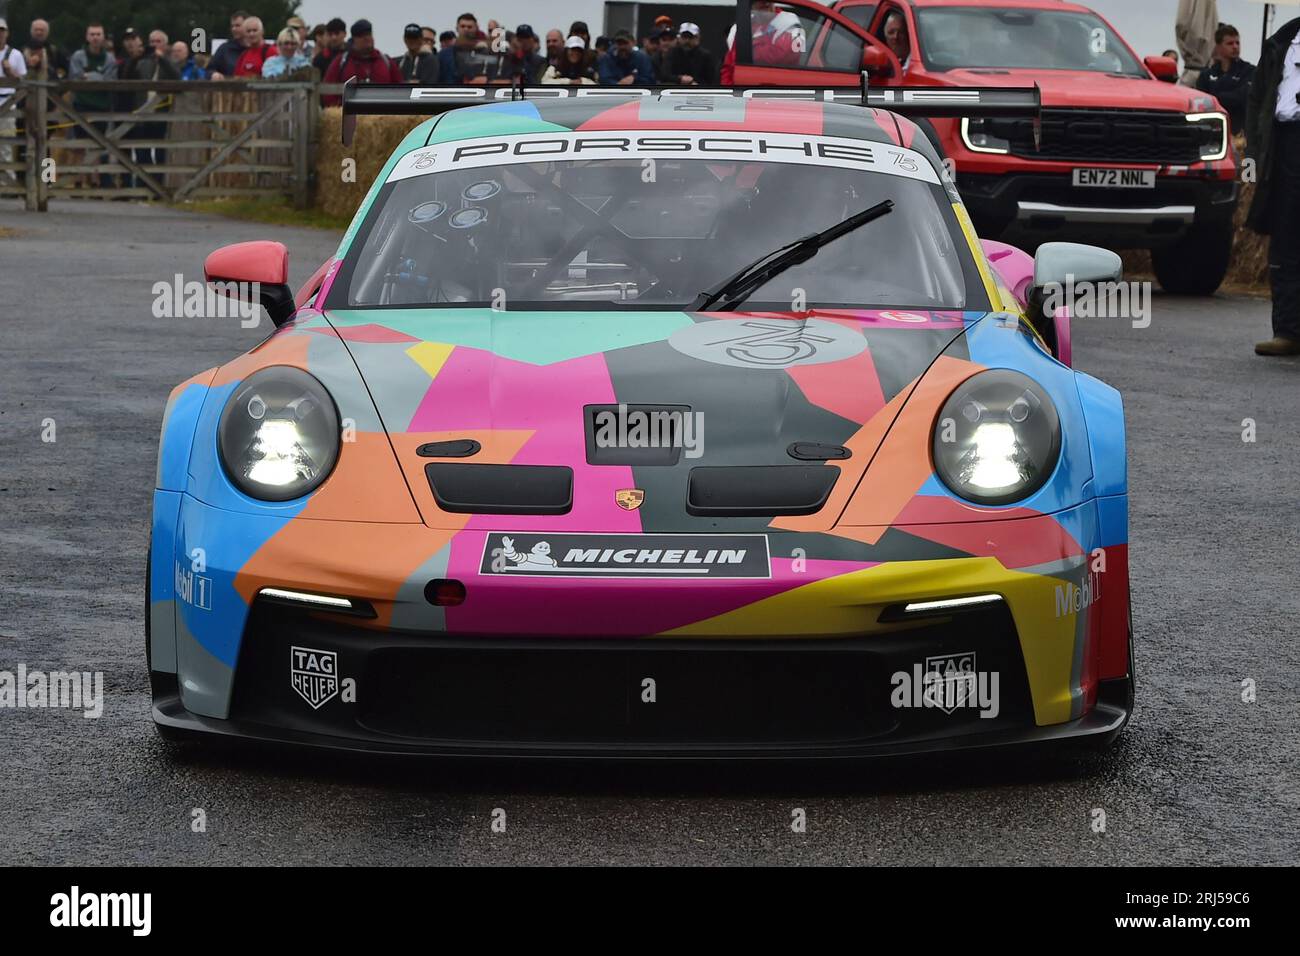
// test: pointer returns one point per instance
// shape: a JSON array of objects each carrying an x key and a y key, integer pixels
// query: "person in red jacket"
[
  {"x": 778, "y": 39},
  {"x": 256, "y": 50},
  {"x": 361, "y": 60}
]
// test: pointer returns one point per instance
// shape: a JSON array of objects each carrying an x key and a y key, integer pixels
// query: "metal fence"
[{"x": 160, "y": 139}]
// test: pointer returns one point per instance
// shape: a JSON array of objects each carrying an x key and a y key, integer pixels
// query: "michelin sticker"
[{"x": 627, "y": 555}]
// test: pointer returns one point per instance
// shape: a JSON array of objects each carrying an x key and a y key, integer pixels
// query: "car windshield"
[
  {"x": 653, "y": 232},
  {"x": 1019, "y": 38}
]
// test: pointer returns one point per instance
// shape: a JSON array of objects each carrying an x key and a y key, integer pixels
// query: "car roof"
[{"x": 665, "y": 113}]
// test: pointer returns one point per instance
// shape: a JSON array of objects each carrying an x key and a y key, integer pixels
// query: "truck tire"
[{"x": 1197, "y": 263}]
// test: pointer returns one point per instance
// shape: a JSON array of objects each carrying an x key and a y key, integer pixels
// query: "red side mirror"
[
  {"x": 1163, "y": 68},
  {"x": 263, "y": 262},
  {"x": 253, "y": 269},
  {"x": 877, "y": 63}
]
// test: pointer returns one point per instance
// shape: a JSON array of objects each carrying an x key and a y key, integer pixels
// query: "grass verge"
[{"x": 275, "y": 212}]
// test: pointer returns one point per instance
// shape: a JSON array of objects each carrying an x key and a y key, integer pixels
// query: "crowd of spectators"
[{"x": 669, "y": 55}]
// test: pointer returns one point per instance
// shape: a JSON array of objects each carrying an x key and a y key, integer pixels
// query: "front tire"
[{"x": 1197, "y": 263}]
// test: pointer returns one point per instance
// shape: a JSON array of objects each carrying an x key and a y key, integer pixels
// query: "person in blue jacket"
[
  {"x": 624, "y": 64},
  {"x": 184, "y": 62}
]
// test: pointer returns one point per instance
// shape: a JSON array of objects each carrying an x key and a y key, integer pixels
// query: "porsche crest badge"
[{"x": 629, "y": 499}]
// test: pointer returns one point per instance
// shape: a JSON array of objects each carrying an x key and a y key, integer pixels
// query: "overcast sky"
[{"x": 1148, "y": 25}]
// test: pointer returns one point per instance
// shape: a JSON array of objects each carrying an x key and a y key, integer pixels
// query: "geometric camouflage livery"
[{"x": 517, "y": 383}]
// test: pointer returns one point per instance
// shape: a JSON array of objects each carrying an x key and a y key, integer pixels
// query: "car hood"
[
  {"x": 746, "y": 387},
  {"x": 1082, "y": 88}
]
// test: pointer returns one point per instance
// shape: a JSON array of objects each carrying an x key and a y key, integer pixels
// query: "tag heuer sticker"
[
  {"x": 314, "y": 674},
  {"x": 951, "y": 680},
  {"x": 627, "y": 555}
]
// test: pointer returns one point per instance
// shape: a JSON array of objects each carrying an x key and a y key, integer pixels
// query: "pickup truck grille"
[{"x": 1118, "y": 136}]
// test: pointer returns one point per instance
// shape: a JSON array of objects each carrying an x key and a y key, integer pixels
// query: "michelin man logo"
[{"x": 538, "y": 558}]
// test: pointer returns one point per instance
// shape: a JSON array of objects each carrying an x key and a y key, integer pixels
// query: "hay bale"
[
  {"x": 1249, "y": 265},
  {"x": 377, "y": 137}
]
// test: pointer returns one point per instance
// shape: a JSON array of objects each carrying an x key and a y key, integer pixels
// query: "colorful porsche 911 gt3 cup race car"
[{"x": 649, "y": 425}]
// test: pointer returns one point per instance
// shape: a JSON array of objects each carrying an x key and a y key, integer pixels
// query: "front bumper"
[
  {"x": 394, "y": 692},
  {"x": 803, "y": 661},
  {"x": 1027, "y": 208}
]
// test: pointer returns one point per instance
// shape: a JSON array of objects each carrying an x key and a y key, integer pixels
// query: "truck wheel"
[{"x": 1197, "y": 263}]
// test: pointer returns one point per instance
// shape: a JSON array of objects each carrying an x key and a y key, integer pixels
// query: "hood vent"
[
  {"x": 501, "y": 489},
  {"x": 760, "y": 490}
]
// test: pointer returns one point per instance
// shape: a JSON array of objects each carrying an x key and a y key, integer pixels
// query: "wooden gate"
[{"x": 162, "y": 139}]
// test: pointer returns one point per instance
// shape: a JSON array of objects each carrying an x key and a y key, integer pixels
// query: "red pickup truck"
[{"x": 1120, "y": 158}]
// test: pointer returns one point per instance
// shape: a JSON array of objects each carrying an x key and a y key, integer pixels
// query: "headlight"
[
  {"x": 279, "y": 434},
  {"x": 1215, "y": 146},
  {"x": 997, "y": 438},
  {"x": 978, "y": 137}
]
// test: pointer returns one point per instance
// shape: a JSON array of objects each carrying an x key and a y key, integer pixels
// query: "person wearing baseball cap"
[
  {"x": 624, "y": 64},
  {"x": 530, "y": 42},
  {"x": 332, "y": 45},
  {"x": 362, "y": 62},
  {"x": 689, "y": 63},
  {"x": 523, "y": 60},
  {"x": 662, "y": 55},
  {"x": 418, "y": 64},
  {"x": 572, "y": 67}
]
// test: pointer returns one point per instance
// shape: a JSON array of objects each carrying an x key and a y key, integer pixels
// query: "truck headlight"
[
  {"x": 977, "y": 135},
  {"x": 279, "y": 434},
  {"x": 1215, "y": 146},
  {"x": 997, "y": 438}
]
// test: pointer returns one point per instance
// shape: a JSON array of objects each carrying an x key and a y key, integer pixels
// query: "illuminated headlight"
[
  {"x": 279, "y": 434},
  {"x": 978, "y": 137},
  {"x": 997, "y": 438},
  {"x": 1216, "y": 145}
]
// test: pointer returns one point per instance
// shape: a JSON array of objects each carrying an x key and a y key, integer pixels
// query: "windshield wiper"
[{"x": 738, "y": 287}]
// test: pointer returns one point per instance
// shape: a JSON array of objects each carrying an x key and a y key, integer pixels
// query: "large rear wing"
[{"x": 910, "y": 101}]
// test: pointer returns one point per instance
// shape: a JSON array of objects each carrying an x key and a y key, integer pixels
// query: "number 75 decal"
[{"x": 903, "y": 161}]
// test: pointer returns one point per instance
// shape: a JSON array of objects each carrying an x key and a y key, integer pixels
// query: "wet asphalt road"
[{"x": 1198, "y": 777}]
